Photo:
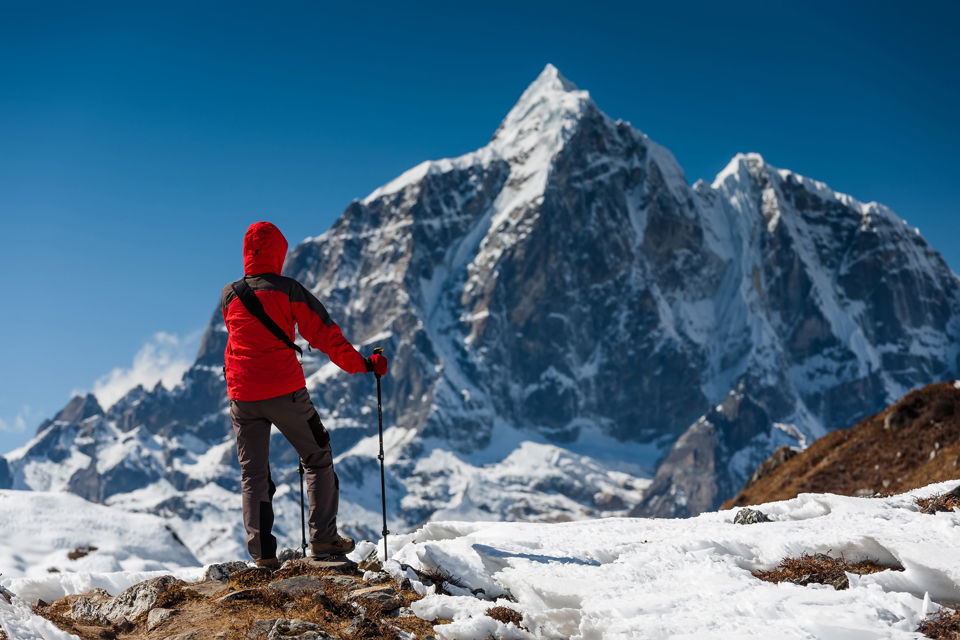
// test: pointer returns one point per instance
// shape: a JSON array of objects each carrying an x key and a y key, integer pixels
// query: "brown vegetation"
[
  {"x": 198, "y": 609},
  {"x": 943, "y": 624},
  {"x": 506, "y": 615},
  {"x": 820, "y": 569},
  {"x": 80, "y": 552},
  {"x": 912, "y": 444},
  {"x": 440, "y": 578},
  {"x": 940, "y": 502}
]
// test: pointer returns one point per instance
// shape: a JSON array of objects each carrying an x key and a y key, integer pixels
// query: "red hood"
[{"x": 264, "y": 249}]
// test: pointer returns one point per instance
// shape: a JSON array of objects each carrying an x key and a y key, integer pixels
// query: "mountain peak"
[
  {"x": 550, "y": 79},
  {"x": 742, "y": 165},
  {"x": 543, "y": 117}
]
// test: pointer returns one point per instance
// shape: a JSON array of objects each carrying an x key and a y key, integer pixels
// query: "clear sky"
[{"x": 138, "y": 140}]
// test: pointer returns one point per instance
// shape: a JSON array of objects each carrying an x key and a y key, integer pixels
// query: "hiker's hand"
[{"x": 377, "y": 363}]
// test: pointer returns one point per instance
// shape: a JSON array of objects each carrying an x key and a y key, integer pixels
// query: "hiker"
[{"x": 266, "y": 386}]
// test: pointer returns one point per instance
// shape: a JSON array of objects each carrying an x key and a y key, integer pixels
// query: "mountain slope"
[
  {"x": 567, "y": 321},
  {"x": 908, "y": 445}
]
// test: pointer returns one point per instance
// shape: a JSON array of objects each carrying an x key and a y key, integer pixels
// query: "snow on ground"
[
  {"x": 652, "y": 578},
  {"x": 40, "y": 529},
  {"x": 612, "y": 578}
]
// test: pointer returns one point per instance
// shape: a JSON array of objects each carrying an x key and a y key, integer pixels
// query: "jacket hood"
[{"x": 264, "y": 249}]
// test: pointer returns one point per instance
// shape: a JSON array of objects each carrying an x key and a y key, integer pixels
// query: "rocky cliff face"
[{"x": 566, "y": 318}]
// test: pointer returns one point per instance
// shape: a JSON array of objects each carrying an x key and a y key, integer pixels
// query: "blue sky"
[{"x": 139, "y": 140}]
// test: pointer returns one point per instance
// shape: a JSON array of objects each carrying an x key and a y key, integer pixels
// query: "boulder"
[
  {"x": 750, "y": 516},
  {"x": 298, "y": 586},
  {"x": 138, "y": 599},
  {"x": 222, "y": 571},
  {"x": 89, "y": 606}
]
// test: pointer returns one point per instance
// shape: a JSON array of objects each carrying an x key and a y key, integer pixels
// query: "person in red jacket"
[{"x": 266, "y": 386}]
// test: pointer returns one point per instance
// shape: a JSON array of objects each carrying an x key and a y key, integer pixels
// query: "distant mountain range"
[{"x": 573, "y": 331}]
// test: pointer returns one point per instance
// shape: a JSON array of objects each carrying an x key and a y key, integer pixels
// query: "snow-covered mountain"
[{"x": 567, "y": 321}]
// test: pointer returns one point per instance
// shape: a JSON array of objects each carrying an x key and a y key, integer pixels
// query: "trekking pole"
[
  {"x": 303, "y": 531},
  {"x": 383, "y": 488}
]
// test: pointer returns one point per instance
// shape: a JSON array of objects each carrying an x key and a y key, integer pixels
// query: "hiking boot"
[
  {"x": 268, "y": 563},
  {"x": 335, "y": 547}
]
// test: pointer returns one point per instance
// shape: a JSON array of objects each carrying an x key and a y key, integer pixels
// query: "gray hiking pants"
[{"x": 296, "y": 418}]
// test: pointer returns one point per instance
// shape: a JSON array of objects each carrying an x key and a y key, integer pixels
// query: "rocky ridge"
[{"x": 303, "y": 599}]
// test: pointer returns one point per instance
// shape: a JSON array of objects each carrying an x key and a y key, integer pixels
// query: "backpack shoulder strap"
[{"x": 255, "y": 307}]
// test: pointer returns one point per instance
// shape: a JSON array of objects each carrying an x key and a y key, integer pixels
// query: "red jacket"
[{"x": 258, "y": 364}]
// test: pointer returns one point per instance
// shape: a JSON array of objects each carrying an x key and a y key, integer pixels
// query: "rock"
[
  {"x": 383, "y": 595},
  {"x": 361, "y": 626},
  {"x": 376, "y": 577},
  {"x": 298, "y": 586},
  {"x": 340, "y": 564},
  {"x": 39, "y": 603},
  {"x": 841, "y": 583},
  {"x": 955, "y": 492},
  {"x": 284, "y": 629},
  {"x": 406, "y": 612},
  {"x": 750, "y": 516},
  {"x": 222, "y": 571},
  {"x": 260, "y": 629},
  {"x": 158, "y": 616},
  {"x": 287, "y": 553},
  {"x": 239, "y": 596},
  {"x": 89, "y": 606},
  {"x": 138, "y": 599},
  {"x": 345, "y": 582}
]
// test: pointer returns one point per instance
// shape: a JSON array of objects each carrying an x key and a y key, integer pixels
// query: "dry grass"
[
  {"x": 440, "y": 577},
  {"x": 820, "y": 569},
  {"x": 81, "y": 552},
  {"x": 943, "y": 624},
  {"x": 940, "y": 502},
  {"x": 912, "y": 444},
  {"x": 506, "y": 615}
]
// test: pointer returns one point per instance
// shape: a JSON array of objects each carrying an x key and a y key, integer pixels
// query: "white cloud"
[
  {"x": 18, "y": 424},
  {"x": 165, "y": 358}
]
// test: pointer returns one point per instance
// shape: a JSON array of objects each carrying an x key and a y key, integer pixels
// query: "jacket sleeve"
[{"x": 322, "y": 333}]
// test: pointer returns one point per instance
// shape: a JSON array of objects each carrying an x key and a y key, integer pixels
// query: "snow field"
[{"x": 651, "y": 578}]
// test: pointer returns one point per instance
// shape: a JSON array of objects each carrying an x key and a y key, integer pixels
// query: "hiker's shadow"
[{"x": 495, "y": 559}]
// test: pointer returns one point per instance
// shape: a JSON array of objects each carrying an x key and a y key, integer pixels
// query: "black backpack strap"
[{"x": 255, "y": 307}]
